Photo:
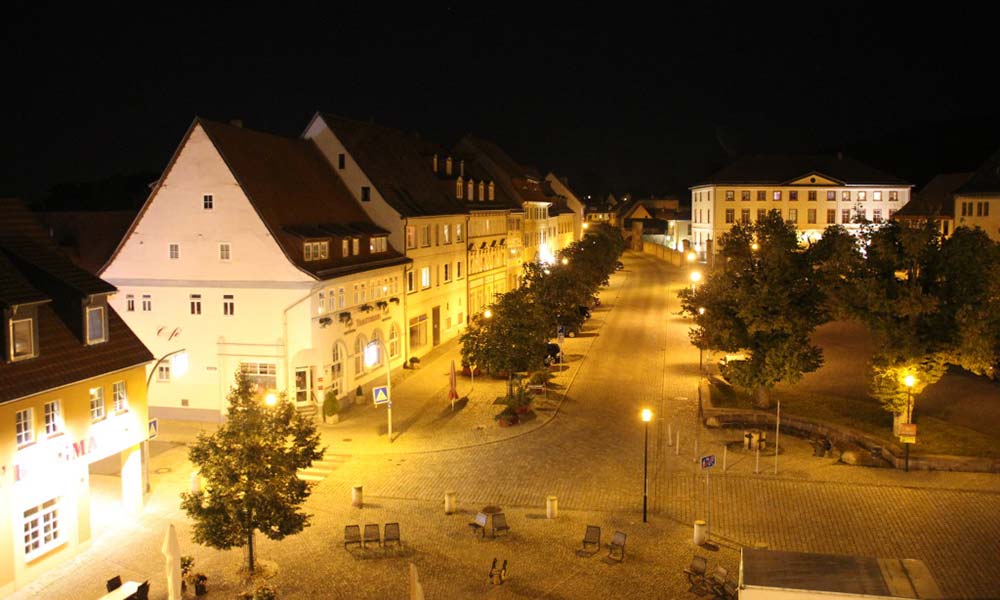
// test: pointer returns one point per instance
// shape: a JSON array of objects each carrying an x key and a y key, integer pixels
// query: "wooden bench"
[
  {"x": 371, "y": 535},
  {"x": 391, "y": 534},
  {"x": 352, "y": 535},
  {"x": 592, "y": 537},
  {"x": 479, "y": 524},
  {"x": 617, "y": 544}
]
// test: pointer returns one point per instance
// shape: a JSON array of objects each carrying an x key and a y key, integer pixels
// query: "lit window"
[
  {"x": 224, "y": 251},
  {"x": 482, "y": 191},
  {"x": 118, "y": 396},
  {"x": 411, "y": 237},
  {"x": 793, "y": 215},
  {"x": 458, "y": 188},
  {"x": 845, "y": 196},
  {"x": 22, "y": 338},
  {"x": 831, "y": 196},
  {"x": 316, "y": 250},
  {"x": 468, "y": 189},
  {"x": 446, "y": 233},
  {"x": 195, "y": 304},
  {"x": 175, "y": 251},
  {"x": 777, "y": 195},
  {"x": 96, "y": 403},
  {"x": 96, "y": 330},
  {"x": 53, "y": 418},
  {"x": 356, "y": 246},
  {"x": 893, "y": 196},
  {"x": 378, "y": 244},
  {"x": 862, "y": 196},
  {"x": 877, "y": 196},
  {"x": 425, "y": 277},
  {"x": 163, "y": 372},
  {"x": 366, "y": 193},
  {"x": 24, "y": 427},
  {"x": 41, "y": 529},
  {"x": 425, "y": 236},
  {"x": 491, "y": 192},
  {"x": 730, "y": 195},
  {"x": 207, "y": 202},
  {"x": 147, "y": 303},
  {"x": 458, "y": 232},
  {"x": 811, "y": 215},
  {"x": 129, "y": 302},
  {"x": 228, "y": 305}
]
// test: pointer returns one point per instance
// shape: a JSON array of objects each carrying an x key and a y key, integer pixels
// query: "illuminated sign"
[{"x": 64, "y": 454}]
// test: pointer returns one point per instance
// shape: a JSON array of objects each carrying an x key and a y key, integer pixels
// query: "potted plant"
[
  {"x": 265, "y": 592},
  {"x": 187, "y": 563},
  {"x": 394, "y": 300},
  {"x": 200, "y": 586},
  {"x": 344, "y": 316},
  {"x": 382, "y": 304},
  {"x": 414, "y": 361},
  {"x": 331, "y": 406},
  {"x": 365, "y": 307}
]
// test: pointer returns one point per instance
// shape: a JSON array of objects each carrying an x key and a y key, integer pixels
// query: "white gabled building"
[{"x": 251, "y": 254}]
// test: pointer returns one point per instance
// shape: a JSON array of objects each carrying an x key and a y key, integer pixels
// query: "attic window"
[
  {"x": 458, "y": 186},
  {"x": 482, "y": 191},
  {"x": 434, "y": 163},
  {"x": 22, "y": 337},
  {"x": 492, "y": 197},
  {"x": 366, "y": 193},
  {"x": 97, "y": 325},
  {"x": 377, "y": 245},
  {"x": 447, "y": 166},
  {"x": 469, "y": 191},
  {"x": 340, "y": 161},
  {"x": 208, "y": 202},
  {"x": 316, "y": 250}
]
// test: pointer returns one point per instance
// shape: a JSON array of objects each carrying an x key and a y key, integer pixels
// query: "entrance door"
[
  {"x": 303, "y": 385},
  {"x": 436, "y": 325}
]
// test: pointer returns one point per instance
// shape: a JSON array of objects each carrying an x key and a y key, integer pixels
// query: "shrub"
[
  {"x": 331, "y": 405},
  {"x": 265, "y": 593}
]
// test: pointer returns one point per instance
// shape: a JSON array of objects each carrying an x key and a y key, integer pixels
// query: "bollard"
[
  {"x": 700, "y": 533},
  {"x": 195, "y": 482},
  {"x": 450, "y": 503},
  {"x": 356, "y": 499},
  {"x": 725, "y": 455},
  {"x": 551, "y": 507},
  {"x": 677, "y": 446},
  {"x": 670, "y": 434},
  {"x": 756, "y": 468}
]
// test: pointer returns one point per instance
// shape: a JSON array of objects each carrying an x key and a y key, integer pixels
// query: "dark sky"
[{"x": 634, "y": 100}]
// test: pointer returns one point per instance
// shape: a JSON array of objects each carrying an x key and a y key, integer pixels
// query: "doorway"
[
  {"x": 436, "y": 325},
  {"x": 303, "y": 385}
]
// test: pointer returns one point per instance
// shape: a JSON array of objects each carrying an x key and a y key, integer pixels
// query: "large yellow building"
[{"x": 73, "y": 417}]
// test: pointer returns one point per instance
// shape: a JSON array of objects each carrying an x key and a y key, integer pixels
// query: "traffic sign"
[
  {"x": 154, "y": 429},
  {"x": 381, "y": 394},
  {"x": 908, "y": 429},
  {"x": 707, "y": 462}
]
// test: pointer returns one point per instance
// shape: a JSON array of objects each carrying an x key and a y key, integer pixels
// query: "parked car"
[
  {"x": 619, "y": 266},
  {"x": 584, "y": 311},
  {"x": 553, "y": 354}
]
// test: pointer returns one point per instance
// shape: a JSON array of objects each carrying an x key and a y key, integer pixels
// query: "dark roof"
[
  {"x": 520, "y": 183},
  {"x": 815, "y": 572},
  {"x": 502, "y": 200},
  {"x": 936, "y": 198},
  {"x": 398, "y": 165},
  {"x": 31, "y": 270},
  {"x": 779, "y": 169},
  {"x": 87, "y": 237},
  {"x": 985, "y": 181},
  {"x": 295, "y": 191}
]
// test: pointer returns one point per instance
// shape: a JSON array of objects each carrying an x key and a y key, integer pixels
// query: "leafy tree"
[
  {"x": 557, "y": 291},
  {"x": 513, "y": 339},
  {"x": 249, "y": 468},
  {"x": 762, "y": 302}
]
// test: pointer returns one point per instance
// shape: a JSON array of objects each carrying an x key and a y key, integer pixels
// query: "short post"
[
  {"x": 756, "y": 468},
  {"x": 551, "y": 507},
  {"x": 700, "y": 532},
  {"x": 670, "y": 434},
  {"x": 450, "y": 503},
  {"x": 356, "y": 498},
  {"x": 725, "y": 455},
  {"x": 677, "y": 447},
  {"x": 777, "y": 433}
]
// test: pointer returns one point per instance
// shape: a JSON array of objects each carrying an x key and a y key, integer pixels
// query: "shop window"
[
  {"x": 262, "y": 375},
  {"x": 41, "y": 529}
]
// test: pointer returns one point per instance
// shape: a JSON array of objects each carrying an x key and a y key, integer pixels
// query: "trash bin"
[
  {"x": 450, "y": 502},
  {"x": 700, "y": 532},
  {"x": 356, "y": 499},
  {"x": 551, "y": 507}
]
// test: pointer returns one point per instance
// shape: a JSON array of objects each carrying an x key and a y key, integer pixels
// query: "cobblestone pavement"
[{"x": 590, "y": 455}]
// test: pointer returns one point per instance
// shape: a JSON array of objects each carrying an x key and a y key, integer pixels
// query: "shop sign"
[{"x": 64, "y": 454}]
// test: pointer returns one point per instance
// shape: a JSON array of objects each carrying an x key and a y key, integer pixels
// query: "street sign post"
[
  {"x": 154, "y": 429},
  {"x": 707, "y": 462},
  {"x": 380, "y": 394}
]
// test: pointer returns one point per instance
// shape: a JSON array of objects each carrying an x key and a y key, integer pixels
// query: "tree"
[
  {"x": 762, "y": 302},
  {"x": 249, "y": 470},
  {"x": 513, "y": 339},
  {"x": 557, "y": 291}
]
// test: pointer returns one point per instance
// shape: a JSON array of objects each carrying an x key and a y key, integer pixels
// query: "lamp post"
[
  {"x": 695, "y": 278},
  {"x": 701, "y": 368},
  {"x": 377, "y": 348},
  {"x": 908, "y": 381},
  {"x": 647, "y": 416}
]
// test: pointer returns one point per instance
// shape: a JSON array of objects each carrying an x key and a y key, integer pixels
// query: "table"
[
  {"x": 127, "y": 589},
  {"x": 489, "y": 511}
]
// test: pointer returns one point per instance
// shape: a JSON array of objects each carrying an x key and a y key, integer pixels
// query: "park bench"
[
  {"x": 500, "y": 524},
  {"x": 352, "y": 535},
  {"x": 617, "y": 544},
  {"x": 391, "y": 534},
  {"x": 371, "y": 535},
  {"x": 592, "y": 537},
  {"x": 479, "y": 524},
  {"x": 537, "y": 388}
]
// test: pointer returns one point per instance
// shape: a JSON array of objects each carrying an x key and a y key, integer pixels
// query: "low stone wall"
[
  {"x": 857, "y": 446},
  {"x": 662, "y": 252}
]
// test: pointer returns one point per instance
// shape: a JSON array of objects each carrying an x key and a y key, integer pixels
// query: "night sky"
[{"x": 637, "y": 101}]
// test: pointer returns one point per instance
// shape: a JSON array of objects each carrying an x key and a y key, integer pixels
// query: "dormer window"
[
  {"x": 469, "y": 191},
  {"x": 461, "y": 168},
  {"x": 458, "y": 187},
  {"x": 97, "y": 325},
  {"x": 491, "y": 192},
  {"x": 447, "y": 166},
  {"x": 377, "y": 245},
  {"x": 316, "y": 250},
  {"x": 482, "y": 191},
  {"x": 345, "y": 248},
  {"x": 22, "y": 338},
  {"x": 434, "y": 163},
  {"x": 356, "y": 246}
]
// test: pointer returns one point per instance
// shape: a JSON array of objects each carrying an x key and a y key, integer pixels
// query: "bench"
[
  {"x": 534, "y": 388},
  {"x": 479, "y": 524},
  {"x": 352, "y": 535},
  {"x": 391, "y": 534},
  {"x": 617, "y": 544},
  {"x": 371, "y": 535},
  {"x": 500, "y": 524},
  {"x": 592, "y": 537}
]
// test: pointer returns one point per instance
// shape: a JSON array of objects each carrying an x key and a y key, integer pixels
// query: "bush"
[
  {"x": 265, "y": 593},
  {"x": 540, "y": 377},
  {"x": 331, "y": 405}
]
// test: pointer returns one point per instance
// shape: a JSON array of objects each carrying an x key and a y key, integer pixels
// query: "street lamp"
[
  {"x": 695, "y": 278},
  {"x": 488, "y": 313},
  {"x": 701, "y": 369},
  {"x": 647, "y": 416},
  {"x": 270, "y": 399},
  {"x": 375, "y": 353},
  {"x": 565, "y": 261},
  {"x": 691, "y": 256},
  {"x": 908, "y": 381},
  {"x": 755, "y": 246}
]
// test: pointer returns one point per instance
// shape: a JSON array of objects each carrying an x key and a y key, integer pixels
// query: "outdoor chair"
[
  {"x": 142, "y": 593},
  {"x": 729, "y": 590},
  {"x": 114, "y": 583},
  {"x": 696, "y": 572},
  {"x": 352, "y": 535},
  {"x": 371, "y": 535},
  {"x": 617, "y": 544},
  {"x": 592, "y": 538},
  {"x": 479, "y": 524},
  {"x": 500, "y": 524},
  {"x": 717, "y": 582},
  {"x": 391, "y": 534}
]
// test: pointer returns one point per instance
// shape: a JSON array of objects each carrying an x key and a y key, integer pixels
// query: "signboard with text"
[{"x": 707, "y": 462}]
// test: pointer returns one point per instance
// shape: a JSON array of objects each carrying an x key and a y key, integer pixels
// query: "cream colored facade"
[
  {"x": 980, "y": 211},
  {"x": 515, "y": 249},
  {"x": 812, "y": 204},
  {"x": 69, "y": 484},
  {"x": 488, "y": 257}
]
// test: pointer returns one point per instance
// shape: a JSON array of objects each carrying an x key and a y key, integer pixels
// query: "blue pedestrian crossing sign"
[
  {"x": 154, "y": 429},
  {"x": 381, "y": 394},
  {"x": 707, "y": 462}
]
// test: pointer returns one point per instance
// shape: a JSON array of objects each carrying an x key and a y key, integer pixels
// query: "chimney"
[{"x": 236, "y": 122}]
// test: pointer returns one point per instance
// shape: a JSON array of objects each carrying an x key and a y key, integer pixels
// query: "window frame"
[
  {"x": 228, "y": 305},
  {"x": 119, "y": 396},
  {"x": 26, "y": 436},
  {"x": 30, "y": 320},
  {"x": 52, "y": 421},
  {"x": 208, "y": 201},
  {"x": 44, "y": 534},
  {"x": 104, "y": 324},
  {"x": 173, "y": 251},
  {"x": 195, "y": 303},
  {"x": 98, "y": 407},
  {"x": 163, "y": 372},
  {"x": 225, "y": 251}
]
